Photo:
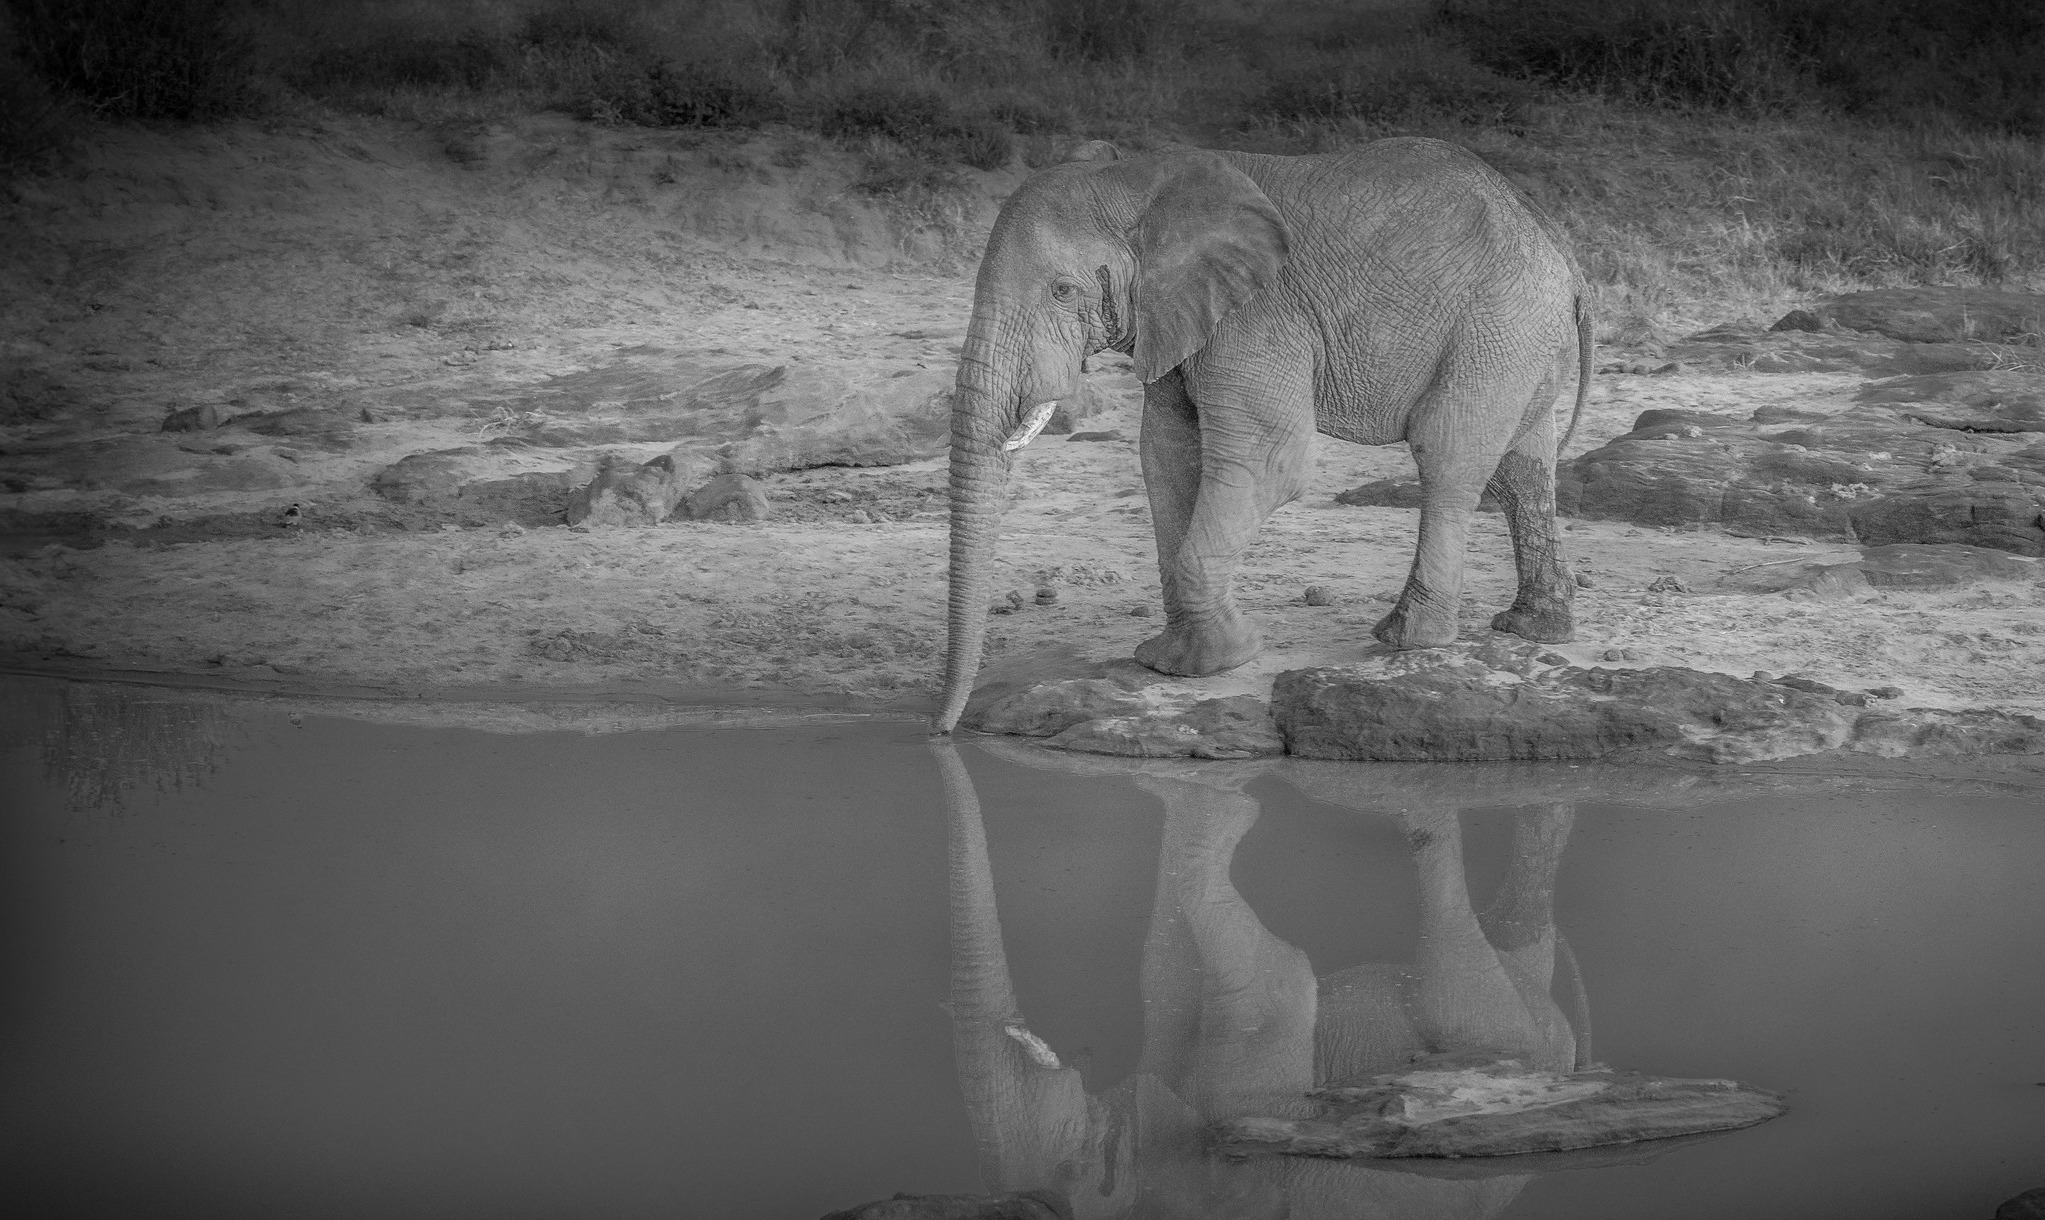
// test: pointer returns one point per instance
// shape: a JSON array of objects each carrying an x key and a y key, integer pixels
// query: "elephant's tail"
[{"x": 1583, "y": 369}]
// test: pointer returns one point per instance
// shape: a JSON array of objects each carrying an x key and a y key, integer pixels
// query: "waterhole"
[{"x": 317, "y": 959}]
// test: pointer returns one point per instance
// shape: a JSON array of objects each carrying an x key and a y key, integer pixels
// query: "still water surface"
[{"x": 272, "y": 964}]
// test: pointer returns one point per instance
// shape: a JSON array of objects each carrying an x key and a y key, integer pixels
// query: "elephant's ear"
[{"x": 1207, "y": 241}]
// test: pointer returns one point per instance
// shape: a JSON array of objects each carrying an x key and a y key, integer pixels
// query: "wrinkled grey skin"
[
  {"x": 1235, "y": 1021},
  {"x": 1403, "y": 291}
]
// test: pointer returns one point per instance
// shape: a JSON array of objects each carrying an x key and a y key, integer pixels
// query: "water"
[{"x": 346, "y": 967}]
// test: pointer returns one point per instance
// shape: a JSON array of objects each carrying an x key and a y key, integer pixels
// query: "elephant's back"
[{"x": 1427, "y": 204}]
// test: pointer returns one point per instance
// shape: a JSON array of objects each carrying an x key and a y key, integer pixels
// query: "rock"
[
  {"x": 1476, "y": 711},
  {"x": 1320, "y": 595},
  {"x": 1905, "y": 566},
  {"x": 1401, "y": 493},
  {"x": 1667, "y": 584},
  {"x": 624, "y": 494},
  {"x": 1047, "y": 596},
  {"x": 1143, "y": 611},
  {"x": 1584, "y": 581},
  {"x": 1984, "y": 400},
  {"x": 201, "y": 418},
  {"x": 1738, "y": 347},
  {"x": 1238, "y": 726},
  {"x": 1469, "y": 1105},
  {"x": 1935, "y": 733},
  {"x": 1875, "y": 474},
  {"x": 330, "y": 430},
  {"x": 1798, "y": 319},
  {"x": 1474, "y": 714},
  {"x": 1024, "y": 1205},
  {"x": 435, "y": 476},
  {"x": 2027, "y": 1206},
  {"x": 1051, "y": 708},
  {"x": 729, "y": 497},
  {"x": 531, "y": 498},
  {"x": 756, "y": 417},
  {"x": 1938, "y": 315}
]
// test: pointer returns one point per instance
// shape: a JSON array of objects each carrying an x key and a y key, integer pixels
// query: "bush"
[
  {"x": 922, "y": 121},
  {"x": 141, "y": 59},
  {"x": 469, "y": 60},
  {"x": 666, "y": 94},
  {"x": 34, "y": 129},
  {"x": 1388, "y": 84},
  {"x": 1982, "y": 61}
]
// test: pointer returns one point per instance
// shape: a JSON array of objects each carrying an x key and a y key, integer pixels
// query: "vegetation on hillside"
[{"x": 1725, "y": 150}]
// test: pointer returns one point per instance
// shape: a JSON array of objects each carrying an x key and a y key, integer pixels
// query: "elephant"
[
  {"x": 1235, "y": 1020},
  {"x": 1400, "y": 291}
]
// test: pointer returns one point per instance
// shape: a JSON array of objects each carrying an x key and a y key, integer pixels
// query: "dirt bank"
[{"x": 400, "y": 281}]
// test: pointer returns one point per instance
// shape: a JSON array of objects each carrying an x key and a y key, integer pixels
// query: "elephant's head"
[{"x": 1143, "y": 255}]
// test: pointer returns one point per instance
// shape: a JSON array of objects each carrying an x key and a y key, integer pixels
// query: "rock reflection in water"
[{"x": 1235, "y": 1021}]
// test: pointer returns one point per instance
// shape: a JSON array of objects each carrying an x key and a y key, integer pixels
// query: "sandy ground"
[{"x": 337, "y": 263}]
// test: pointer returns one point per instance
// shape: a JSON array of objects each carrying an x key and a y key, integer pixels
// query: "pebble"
[
  {"x": 1142, "y": 611},
  {"x": 1320, "y": 595},
  {"x": 1621, "y": 654},
  {"x": 1047, "y": 596},
  {"x": 1668, "y": 584},
  {"x": 1585, "y": 582}
]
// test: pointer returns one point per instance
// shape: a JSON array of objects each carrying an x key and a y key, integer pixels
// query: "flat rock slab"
[
  {"x": 1923, "y": 465},
  {"x": 1460, "y": 1106},
  {"x": 1463, "y": 712},
  {"x": 1939, "y": 315},
  {"x": 1487, "y": 701}
]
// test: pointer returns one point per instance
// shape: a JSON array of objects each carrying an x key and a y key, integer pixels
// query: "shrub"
[
  {"x": 1387, "y": 84},
  {"x": 34, "y": 129},
  {"x": 144, "y": 59},
  {"x": 922, "y": 120},
  {"x": 1982, "y": 61},
  {"x": 469, "y": 60},
  {"x": 667, "y": 94}
]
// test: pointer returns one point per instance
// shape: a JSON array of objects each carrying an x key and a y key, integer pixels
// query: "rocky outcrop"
[
  {"x": 1470, "y": 712},
  {"x": 1901, "y": 566},
  {"x": 201, "y": 418},
  {"x": 1885, "y": 331},
  {"x": 1470, "y": 1105},
  {"x": 1938, "y": 315},
  {"x": 2027, "y": 1206},
  {"x": 1922, "y": 460},
  {"x": 625, "y": 494},
  {"x": 752, "y": 418},
  {"x": 729, "y": 497},
  {"x": 1022, "y": 1205},
  {"x": 1116, "y": 708},
  {"x": 1401, "y": 493}
]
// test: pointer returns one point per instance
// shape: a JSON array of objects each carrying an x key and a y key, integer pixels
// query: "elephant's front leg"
[{"x": 1214, "y": 472}]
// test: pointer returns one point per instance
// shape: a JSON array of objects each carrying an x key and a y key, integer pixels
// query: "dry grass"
[{"x": 1706, "y": 158}]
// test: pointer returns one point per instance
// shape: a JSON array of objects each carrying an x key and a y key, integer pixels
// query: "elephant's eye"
[{"x": 1064, "y": 292}]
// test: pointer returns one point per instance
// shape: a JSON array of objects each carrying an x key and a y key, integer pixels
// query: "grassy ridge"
[{"x": 1730, "y": 152}]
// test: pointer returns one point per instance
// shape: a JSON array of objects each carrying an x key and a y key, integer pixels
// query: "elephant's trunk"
[{"x": 983, "y": 411}]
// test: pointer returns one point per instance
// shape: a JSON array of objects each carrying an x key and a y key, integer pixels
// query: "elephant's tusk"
[
  {"x": 1038, "y": 1050},
  {"x": 1032, "y": 424}
]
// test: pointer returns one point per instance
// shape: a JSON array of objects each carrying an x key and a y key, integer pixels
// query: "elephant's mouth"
[{"x": 1032, "y": 423}]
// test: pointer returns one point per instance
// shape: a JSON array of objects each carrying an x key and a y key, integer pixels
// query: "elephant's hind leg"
[{"x": 1525, "y": 487}]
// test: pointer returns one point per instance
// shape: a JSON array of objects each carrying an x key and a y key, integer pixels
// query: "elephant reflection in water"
[{"x": 1236, "y": 1023}]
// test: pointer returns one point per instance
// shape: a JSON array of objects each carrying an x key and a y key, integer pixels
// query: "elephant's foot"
[
  {"x": 1194, "y": 650},
  {"x": 1406, "y": 627},
  {"x": 1548, "y": 621}
]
